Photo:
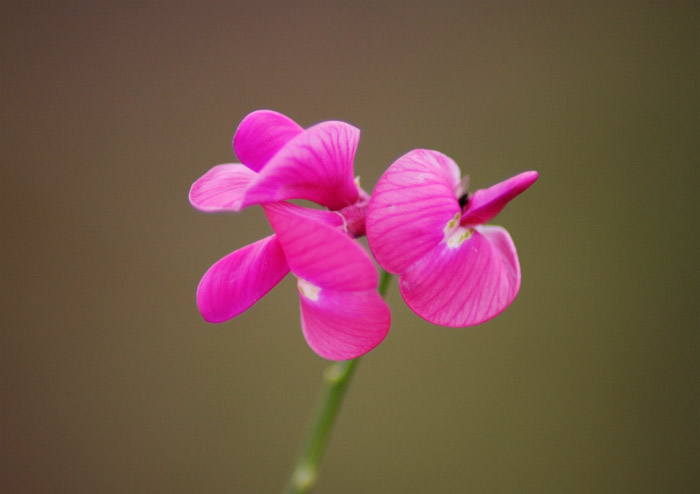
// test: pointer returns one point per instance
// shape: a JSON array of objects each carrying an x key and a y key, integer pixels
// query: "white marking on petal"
[
  {"x": 452, "y": 225},
  {"x": 308, "y": 290},
  {"x": 459, "y": 235}
]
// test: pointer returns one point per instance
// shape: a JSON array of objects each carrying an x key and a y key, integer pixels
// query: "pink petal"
[
  {"x": 321, "y": 254},
  {"x": 316, "y": 165},
  {"x": 344, "y": 325},
  {"x": 260, "y": 135},
  {"x": 221, "y": 189},
  {"x": 236, "y": 282},
  {"x": 410, "y": 207},
  {"x": 485, "y": 204},
  {"x": 464, "y": 285},
  {"x": 330, "y": 218}
]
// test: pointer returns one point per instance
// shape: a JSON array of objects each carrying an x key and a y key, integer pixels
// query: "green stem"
[{"x": 336, "y": 378}]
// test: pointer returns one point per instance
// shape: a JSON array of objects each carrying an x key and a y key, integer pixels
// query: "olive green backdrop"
[{"x": 112, "y": 383}]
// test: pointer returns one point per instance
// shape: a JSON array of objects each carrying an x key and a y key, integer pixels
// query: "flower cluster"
[{"x": 420, "y": 224}]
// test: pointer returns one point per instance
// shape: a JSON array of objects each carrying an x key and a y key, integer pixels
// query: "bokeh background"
[{"x": 111, "y": 382}]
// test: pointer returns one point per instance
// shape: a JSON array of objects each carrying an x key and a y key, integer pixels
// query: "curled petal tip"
[
  {"x": 485, "y": 204},
  {"x": 261, "y": 135},
  {"x": 529, "y": 177}
]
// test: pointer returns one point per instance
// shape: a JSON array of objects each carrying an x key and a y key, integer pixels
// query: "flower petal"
[
  {"x": 260, "y": 135},
  {"x": 222, "y": 188},
  {"x": 237, "y": 281},
  {"x": 485, "y": 204},
  {"x": 330, "y": 218},
  {"x": 320, "y": 253},
  {"x": 410, "y": 207},
  {"x": 316, "y": 165},
  {"x": 344, "y": 325},
  {"x": 466, "y": 284}
]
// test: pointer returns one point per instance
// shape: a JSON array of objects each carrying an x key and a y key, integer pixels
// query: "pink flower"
[
  {"x": 421, "y": 225},
  {"x": 342, "y": 314}
]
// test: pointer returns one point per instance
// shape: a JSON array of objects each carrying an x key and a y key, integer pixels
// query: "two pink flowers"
[{"x": 420, "y": 224}]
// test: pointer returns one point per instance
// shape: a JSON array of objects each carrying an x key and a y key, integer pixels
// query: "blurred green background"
[{"x": 111, "y": 381}]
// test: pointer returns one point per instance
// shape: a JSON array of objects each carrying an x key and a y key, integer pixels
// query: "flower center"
[
  {"x": 308, "y": 290},
  {"x": 451, "y": 225},
  {"x": 455, "y": 234},
  {"x": 354, "y": 214},
  {"x": 458, "y": 236},
  {"x": 463, "y": 200}
]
